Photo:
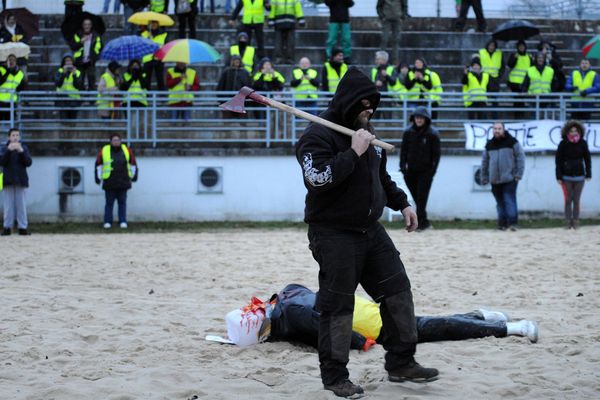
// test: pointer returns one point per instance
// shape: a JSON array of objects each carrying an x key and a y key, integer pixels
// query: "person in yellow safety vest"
[
  {"x": 283, "y": 17},
  {"x": 245, "y": 51},
  {"x": 399, "y": 77},
  {"x": 108, "y": 102},
  {"x": 539, "y": 79},
  {"x": 73, "y": 7},
  {"x": 68, "y": 84},
  {"x": 333, "y": 71},
  {"x": 115, "y": 168},
  {"x": 267, "y": 79},
  {"x": 518, "y": 63},
  {"x": 492, "y": 62},
  {"x": 382, "y": 72},
  {"x": 305, "y": 84},
  {"x": 434, "y": 92},
  {"x": 158, "y": 36},
  {"x": 160, "y": 6},
  {"x": 252, "y": 21},
  {"x": 181, "y": 79},
  {"x": 86, "y": 45},
  {"x": 582, "y": 82},
  {"x": 135, "y": 83},
  {"x": 418, "y": 83},
  {"x": 12, "y": 81},
  {"x": 475, "y": 84}
]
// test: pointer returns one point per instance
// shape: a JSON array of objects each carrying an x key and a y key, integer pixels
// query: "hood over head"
[
  {"x": 523, "y": 43},
  {"x": 113, "y": 66},
  {"x": 65, "y": 56},
  {"x": 353, "y": 87},
  {"x": 492, "y": 40},
  {"x": 421, "y": 111}
]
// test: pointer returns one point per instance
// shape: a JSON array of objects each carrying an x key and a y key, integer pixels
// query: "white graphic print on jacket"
[{"x": 312, "y": 175}]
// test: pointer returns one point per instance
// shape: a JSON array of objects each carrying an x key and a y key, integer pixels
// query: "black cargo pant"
[
  {"x": 347, "y": 258},
  {"x": 419, "y": 185}
]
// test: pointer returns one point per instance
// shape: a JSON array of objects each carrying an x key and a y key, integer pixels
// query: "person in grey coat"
[
  {"x": 392, "y": 15},
  {"x": 503, "y": 165},
  {"x": 14, "y": 160}
]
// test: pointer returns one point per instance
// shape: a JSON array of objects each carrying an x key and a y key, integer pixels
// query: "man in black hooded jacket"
[
  {"x": 348, "y": 187},
  {"x": 419, "y": 159}
]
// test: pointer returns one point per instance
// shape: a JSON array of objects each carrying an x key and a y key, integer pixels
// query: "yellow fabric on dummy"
[{"x": 366, "y": 319}]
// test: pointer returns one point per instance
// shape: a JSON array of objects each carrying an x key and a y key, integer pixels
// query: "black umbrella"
[
  {"x": 515, "y": 30},
  {"x": 28, "y": 21},
  {"x": 72, "y": 25}
]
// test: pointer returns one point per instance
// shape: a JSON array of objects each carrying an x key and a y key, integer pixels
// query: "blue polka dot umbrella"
[{"x": 128, "y": 48}]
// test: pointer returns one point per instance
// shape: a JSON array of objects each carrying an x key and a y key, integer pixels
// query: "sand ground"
[{"x": 124, "y": 316}]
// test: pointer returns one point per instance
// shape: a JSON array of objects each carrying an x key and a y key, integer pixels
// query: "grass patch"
[{"x": 158, "y": 227}]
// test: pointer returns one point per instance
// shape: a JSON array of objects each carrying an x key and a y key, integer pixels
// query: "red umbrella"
[{"x": 28, "y": 20}]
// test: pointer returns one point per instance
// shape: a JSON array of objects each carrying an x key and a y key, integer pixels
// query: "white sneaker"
[
  {"x": 123, "y": 225},
  {"x": 527, "y": 328},
  {"x": 107, "y": 226},
  {"x": 490, "y": 315}
]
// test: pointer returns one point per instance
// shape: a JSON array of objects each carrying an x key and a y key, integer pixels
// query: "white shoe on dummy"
[
  {"x": 524, "y": 328},
  {"x": 490, "y": 315}
]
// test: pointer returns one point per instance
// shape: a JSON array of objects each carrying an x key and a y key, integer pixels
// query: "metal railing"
[{"x": 52, "y": 117}]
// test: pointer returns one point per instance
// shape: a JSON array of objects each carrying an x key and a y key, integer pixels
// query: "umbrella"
[
  {"x": 515, "y": 30},
  {"x": 592, "y": 48},
  {"x": 28, "y": 21},
  {"x": 144, "y": 18},
  {"x": 188, "y": 51},
  {"x": 18, "y": 49},
  {"x": 128, "y": 48},
  {"x": 72, "y": 25}
]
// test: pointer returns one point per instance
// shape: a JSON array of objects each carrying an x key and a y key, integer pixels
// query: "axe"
[{"x": 236, "y": 104}]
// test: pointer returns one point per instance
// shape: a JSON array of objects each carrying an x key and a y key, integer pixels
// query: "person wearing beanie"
[
  {"x": 246, "y": 52},
  {"x": 475, "y": 84},
  {"x": 108, "y": 84},
  {"x": 252, "y": 21},
  {"x": 333, "y": 71},
  {"x": 419, "y": 159},
  {"x": 347, "y": 188},
  {"x": 519, "y": 63}
]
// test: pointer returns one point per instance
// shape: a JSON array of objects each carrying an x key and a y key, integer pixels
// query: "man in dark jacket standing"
[
  {"x": 14, "y": 160},
  {"x": 348, "y": 187},
  {"x": 419, "y": 159},
  {"x": 233, "y": 79},
  {"x": 339, "y": 27},
  {"x": 503, "y": 165},
  {"x": 116, "y": 168}
]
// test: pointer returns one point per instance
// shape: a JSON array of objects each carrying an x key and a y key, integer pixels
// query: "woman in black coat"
[{"x": 573, "y": 167}]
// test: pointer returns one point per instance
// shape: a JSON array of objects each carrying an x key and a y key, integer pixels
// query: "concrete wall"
[{"x": 271, "y": 188}]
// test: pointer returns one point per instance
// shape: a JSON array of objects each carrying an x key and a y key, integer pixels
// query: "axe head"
[{"x": 236, "y": 104}]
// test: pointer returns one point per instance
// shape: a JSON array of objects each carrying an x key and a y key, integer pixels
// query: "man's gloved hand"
[{"x": 97, "y": 180}]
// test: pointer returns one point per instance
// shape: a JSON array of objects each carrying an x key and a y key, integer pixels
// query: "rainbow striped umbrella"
[
  {"x": 592, "y": 48},
  {"x": 189, "y": 51}
]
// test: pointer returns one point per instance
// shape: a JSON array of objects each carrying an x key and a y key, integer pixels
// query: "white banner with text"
[{"x": 532, "y": 135}]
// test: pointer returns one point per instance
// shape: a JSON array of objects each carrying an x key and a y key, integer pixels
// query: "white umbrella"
[{"x": 17, "y": 49}]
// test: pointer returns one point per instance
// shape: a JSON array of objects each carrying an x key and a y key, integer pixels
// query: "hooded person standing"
[
  {"x": 108, "y": 84},
  {"x": 14, "y": 160},
  {"x": 347, "y": 188},
  {"x": 115, "y": 168},
  {"x": 419, "y": 158},
  {"x": 252, "y": 21}
]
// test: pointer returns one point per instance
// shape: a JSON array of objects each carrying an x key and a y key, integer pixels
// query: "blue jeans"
[
  {"x": 121, "y": 196},
  {"x": 506, "y": 203},
  {"x": 107, "y": 5}
]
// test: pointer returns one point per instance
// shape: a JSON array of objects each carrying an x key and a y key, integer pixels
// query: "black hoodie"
[{"x": 345, "y": 191}]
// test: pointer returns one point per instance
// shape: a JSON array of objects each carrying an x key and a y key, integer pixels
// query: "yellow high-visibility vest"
[
  {"x": 254, "y": 12},
  {"x": 68, "y": 86},
  {"x": 582, "y": 83},
  {"x": 96, "y": 47},
  {"x": 107, "y": 161},
  {"x": 399, "y": 89},
  {"x": 136, "y": 91},
  {"x": 540, "y": 83},
  {"x": 286, "y": 11},
  {"x": 110, "y": 84},
  {"x": 275, "y": 76},
  {"x": 157, "y": 5},
  {"x": 517, "y": 74},
  {"x": 475, "y": 90},
  {"x": 333, "y": 79},
  {"x": 247, "y": 58},
  {"x": 414, "y": 93},
  {"x": 389, "y": 69},
  {"x": 10, "y": 86},
  {"x": 176, "y": 94},
  {"x": 305, "y": 90},
  {"x": 491, "y": 64},
  {"x": 158, "y": 39},
  {"x": 436, "y": 86}
]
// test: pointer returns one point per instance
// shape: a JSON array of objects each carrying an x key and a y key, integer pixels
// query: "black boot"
[
  {"x": 5, "y": 232},
  {"x": 345, "y": 388},
  {"x": 413, "y": 372},
  {"x": 24, "y": 232}
]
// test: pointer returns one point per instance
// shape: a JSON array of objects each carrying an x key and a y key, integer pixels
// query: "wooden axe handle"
[{"x": 313, "y": 118}]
